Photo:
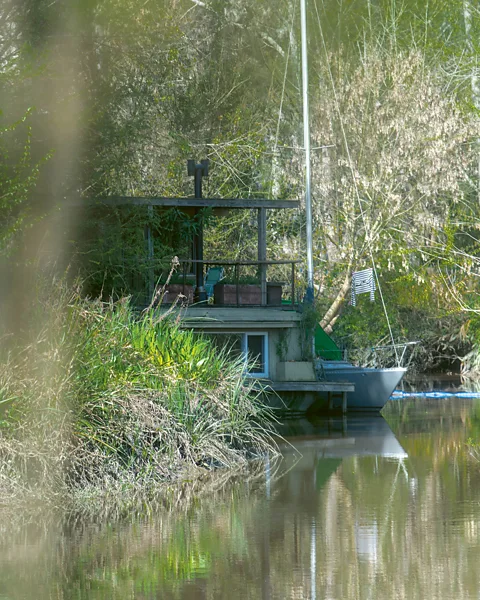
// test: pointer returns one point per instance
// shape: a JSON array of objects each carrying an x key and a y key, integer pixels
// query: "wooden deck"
[{"x": 333, "y": 388}]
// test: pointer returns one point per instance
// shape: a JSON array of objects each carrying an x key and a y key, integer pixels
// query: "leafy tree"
[{"x": 394, "y": 170}]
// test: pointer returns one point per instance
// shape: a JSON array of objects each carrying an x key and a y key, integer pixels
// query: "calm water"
[{"x": 371, "y": 509}]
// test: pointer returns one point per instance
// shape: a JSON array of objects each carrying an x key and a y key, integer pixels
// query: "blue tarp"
[{"x": 398, "y": 395}]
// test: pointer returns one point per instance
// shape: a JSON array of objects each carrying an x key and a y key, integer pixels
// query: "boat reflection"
[
  {"x": 339, "y": 438},
  {"x": 314, "y": 449}
]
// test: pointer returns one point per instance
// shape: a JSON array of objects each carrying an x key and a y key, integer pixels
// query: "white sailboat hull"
[{"x": 373, "y": 387}]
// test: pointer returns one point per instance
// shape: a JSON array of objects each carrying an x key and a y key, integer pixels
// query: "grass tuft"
[{"x": 98, "y": 401}]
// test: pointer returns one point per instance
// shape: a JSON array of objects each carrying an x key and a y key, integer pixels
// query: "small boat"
[{"x": 373, "y": 387}]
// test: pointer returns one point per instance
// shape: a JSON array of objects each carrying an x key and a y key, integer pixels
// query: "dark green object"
[
  {"x": 325, "y": 347},
  {"x": 326, "y": 467}
]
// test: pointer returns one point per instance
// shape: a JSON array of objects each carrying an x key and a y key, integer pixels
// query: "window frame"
[{"x": 266, "y": 362}]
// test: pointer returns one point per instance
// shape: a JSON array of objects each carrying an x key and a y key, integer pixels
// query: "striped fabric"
[{"x": 363, "y": 282}]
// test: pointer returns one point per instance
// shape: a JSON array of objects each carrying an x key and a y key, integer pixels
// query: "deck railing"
[{"x": 244, "y": 283}]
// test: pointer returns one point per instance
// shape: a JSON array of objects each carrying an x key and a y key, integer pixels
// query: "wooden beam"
[
  {"x": 244, "y": 262},
  {"x": 234, "y": 203},
  {"x": 312, "y": 386}
]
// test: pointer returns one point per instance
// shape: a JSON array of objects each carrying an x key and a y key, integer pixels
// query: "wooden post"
[
  {"x": 198, "y": 171},
  {"x": 262, "y": 251},
  {"x": 150, "y": 267},
  {"x": 237, "y": 277},
  {"x": 344, "y": 402},
  {"x": 200, "y": 294},
  {"x": 293, "y": 283}
]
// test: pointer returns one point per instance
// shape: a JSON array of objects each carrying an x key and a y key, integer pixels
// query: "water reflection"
[
  {"x": 364, "y": 509},
  {"x": 324, "y": 445},
  {"x": 340, "y": 438}
]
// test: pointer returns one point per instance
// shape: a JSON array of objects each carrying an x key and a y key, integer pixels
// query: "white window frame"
[{"x": 265, "y": 352}]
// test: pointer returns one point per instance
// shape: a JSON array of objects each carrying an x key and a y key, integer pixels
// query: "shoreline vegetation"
[{"x": 99, "y": 405}]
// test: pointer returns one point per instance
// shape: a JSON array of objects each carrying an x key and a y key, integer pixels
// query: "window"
[
  {"x": 252, "y": 347},
  {"x": 232, "y": 342},
  {"x": 255, "y": 349}
]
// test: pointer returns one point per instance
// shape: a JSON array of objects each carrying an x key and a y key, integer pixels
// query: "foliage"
[
  {"x": 281, "y": 347},
  {"x": 415, "y": 313},
  {"x": 470, "y": 332},
  {"x": 18, "y": 175},
  {"x": 113, "y": 255},
  {"x": 310, "y": 319},
  {"x": 243, "y": 280}
]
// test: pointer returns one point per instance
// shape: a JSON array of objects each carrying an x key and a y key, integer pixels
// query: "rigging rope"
[{"x": 357, "y": 193}]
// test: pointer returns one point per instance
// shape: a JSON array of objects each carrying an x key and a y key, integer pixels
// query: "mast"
[{"x": 306, "y": 144}]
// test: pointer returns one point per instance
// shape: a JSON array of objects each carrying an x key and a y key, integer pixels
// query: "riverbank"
[{"x": 100, "y": 404}]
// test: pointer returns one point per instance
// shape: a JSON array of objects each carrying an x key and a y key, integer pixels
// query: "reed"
[{"x": 100, "y": 401}]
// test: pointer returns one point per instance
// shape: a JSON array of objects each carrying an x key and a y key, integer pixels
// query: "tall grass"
[{"x": 96, "y": 400}]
